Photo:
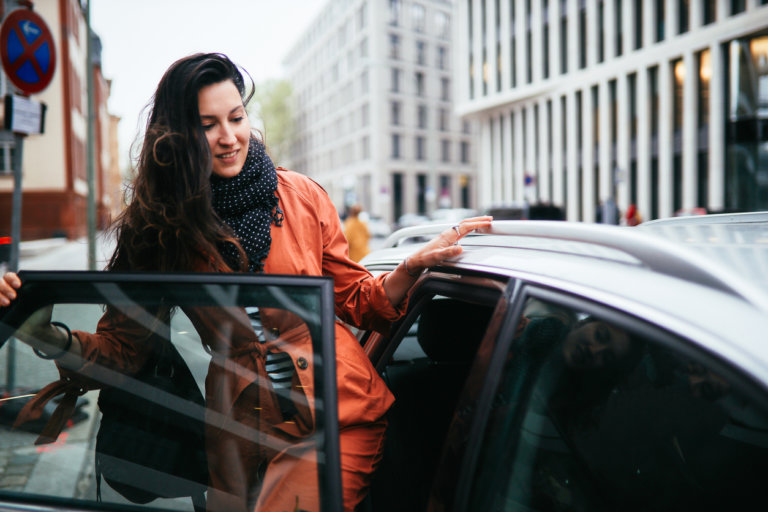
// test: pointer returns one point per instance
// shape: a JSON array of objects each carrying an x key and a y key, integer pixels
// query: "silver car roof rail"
[
  {"x": 654, "y": 252},
  {"x": 642, "y": 246},
  {"x": 712, "y": 218}
]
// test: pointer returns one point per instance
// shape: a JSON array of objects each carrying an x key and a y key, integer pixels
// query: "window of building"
[
  {"x": 678, "y": 74},
  {"x": 421, "y": 53},
  {"x": 422, "y": 116},
  {"x": 442, "y": 57},
  {"x": 738, "y": 6},
  {"x": 418, "y": 15},
  {"x": 619, "y": 25},
  {"x": 396, "y": 150},
  {"x": 421, "y": 148},
  {"x": 638, "y": 11},
  {"x": 364, "y": 114},
  {"x": 445, "y": 89},
  {"x": 397, "y": 195},
  {"x": 600, "y": 31},
  {"x": 683, "y": 15},
  {"x": 710, "y": 11},
  {"x": 395, "y": 113},
  {"x": 563, "y": 38},
  {"x": 394, "y": 46},
  {"x": 419, "y": 83},
  {"x": 365, "y": 144},
  {"x": 394, "y": 12},
  {"x": 660, "y": 20},
  {"x": 545, "y": 48},
  {"x": 421, "y": 193},
  {"x": 442, "y": 25},
  {"x": 364, "y": 82},
  {"x": 582, "y": 36},
  {"x": 362, "y": 16},
  {"x": 464, "y": 152},
  {"x": 442, "y": 119},
  {"x": 445, "y": 150},
  {"x": 364, "y": 48},
  {"x": 394, "y": 86},
  {"x": 705, "y": 72},
  {"x": 746, "y": 180}
]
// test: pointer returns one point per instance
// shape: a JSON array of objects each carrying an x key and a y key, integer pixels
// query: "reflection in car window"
[
  {"x": 250, "y": 345},
  {"x": 590, "y": 416}
]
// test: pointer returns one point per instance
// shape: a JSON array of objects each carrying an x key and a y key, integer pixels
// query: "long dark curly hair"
[{"x": 169, "y": 223}]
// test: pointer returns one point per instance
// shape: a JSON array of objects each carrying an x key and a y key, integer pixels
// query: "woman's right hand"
[{"x": 8, "y": 286}]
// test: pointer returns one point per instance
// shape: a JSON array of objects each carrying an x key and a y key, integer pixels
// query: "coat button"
[{"x": 302, "y": 363}]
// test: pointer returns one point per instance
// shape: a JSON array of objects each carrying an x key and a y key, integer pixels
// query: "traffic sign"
[{"x": 27, "y": 51}]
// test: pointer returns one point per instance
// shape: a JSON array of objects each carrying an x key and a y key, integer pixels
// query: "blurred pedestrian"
[
  {"x": 632, "y": 216},
  {"x": 207, "y": 197},
  {"x": 356, "y": 231}
]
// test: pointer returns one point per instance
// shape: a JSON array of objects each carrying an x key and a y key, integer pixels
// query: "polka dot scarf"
[{"x": 248, "y": 204}]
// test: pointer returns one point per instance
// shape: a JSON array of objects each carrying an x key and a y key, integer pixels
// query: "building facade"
[
  {"x": 54, "y": 185},
  {"x": 373, "y": 88},
  {"x": 658, "y": 103}
]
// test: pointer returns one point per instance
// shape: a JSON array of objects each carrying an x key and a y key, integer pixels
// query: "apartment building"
[
  {"x": 374, "y": 96},
  {"x": 658, "y": 103},
  {"x": 54, "y": 184}
]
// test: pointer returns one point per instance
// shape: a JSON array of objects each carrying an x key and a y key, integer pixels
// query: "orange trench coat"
[{"x": 274, "y": 476}]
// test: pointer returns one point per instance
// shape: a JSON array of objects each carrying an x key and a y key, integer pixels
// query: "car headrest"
[{"x": 450, "y": 330}]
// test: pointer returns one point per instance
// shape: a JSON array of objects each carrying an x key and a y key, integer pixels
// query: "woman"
[
  {"x": 208, "y": 195},
  {"x": 357, "y": 234}
]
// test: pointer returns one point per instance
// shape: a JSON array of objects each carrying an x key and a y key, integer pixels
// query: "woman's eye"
[
  {"x": 207, "y": 127},
  {"x": 237, "y": 119}
]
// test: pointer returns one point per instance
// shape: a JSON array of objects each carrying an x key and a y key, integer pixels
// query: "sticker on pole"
[{"x": 27, "y": 51}]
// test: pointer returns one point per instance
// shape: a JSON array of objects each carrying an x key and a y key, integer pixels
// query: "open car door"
[{"x": 253, "y": 369}]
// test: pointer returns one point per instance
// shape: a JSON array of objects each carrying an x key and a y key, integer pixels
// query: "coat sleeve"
[
  {"x": 360, "y": 297},
  {"x": 122, "y": 341}
]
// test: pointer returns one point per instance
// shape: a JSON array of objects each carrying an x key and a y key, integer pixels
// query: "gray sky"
[{"x": 141, "y": 38}]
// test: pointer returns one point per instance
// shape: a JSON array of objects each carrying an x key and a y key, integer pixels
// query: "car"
[
  {"x": 568, "y": 366},
  {"x": 377, "y": 227},
  {"x": 443, "y": 215},
  {"x": 407, "y": 220},
  {"x": 550, "y": 366}
]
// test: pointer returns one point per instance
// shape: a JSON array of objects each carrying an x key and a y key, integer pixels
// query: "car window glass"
[
  {"x": 426, "y": 375},
  {"x": 590, "y": 416},
  {"x": 251, "y": 353}
]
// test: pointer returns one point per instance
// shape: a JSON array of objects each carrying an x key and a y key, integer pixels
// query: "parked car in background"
[
  {"x": 377, "y": 227},
  {"x": 562, "y": 366},
  {"x": 552, "y": 366},
  {"x": 408, "y": 220},
  {"x": 452, "y": 214}
]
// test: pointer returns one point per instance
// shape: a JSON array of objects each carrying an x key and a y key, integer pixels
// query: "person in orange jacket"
[
  {"x": 207, "y": 192},
  {"x": 357, "y": 233}
]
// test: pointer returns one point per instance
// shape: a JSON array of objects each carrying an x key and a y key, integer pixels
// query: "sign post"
[{"x": 28, "y": 57}]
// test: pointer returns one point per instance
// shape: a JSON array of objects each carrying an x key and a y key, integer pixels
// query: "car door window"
[
  {"x": 254, "y": 350},
  {"x": 590, "y": 414}
]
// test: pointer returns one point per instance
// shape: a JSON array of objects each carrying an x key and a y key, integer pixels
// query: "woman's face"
[
  {"x": 226, "y": 127},
  {"x": 595, "y": 345}
]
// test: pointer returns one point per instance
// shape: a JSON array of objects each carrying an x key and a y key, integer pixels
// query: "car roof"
[{"x": 705, "y": 278}]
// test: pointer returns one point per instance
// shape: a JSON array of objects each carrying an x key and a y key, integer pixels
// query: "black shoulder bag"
[{"x": 151, "y": 441}]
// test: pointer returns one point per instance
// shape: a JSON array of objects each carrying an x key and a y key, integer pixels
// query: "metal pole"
[
  {"x": 90, "y": 171},
  {"x": 10, "y": 381}
]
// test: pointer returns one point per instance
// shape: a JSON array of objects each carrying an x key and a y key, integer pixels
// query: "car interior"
[{"x": 426, "y": 375}]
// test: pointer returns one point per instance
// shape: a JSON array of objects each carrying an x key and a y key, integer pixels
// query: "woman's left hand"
[{"x": 445, "y": 245}]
